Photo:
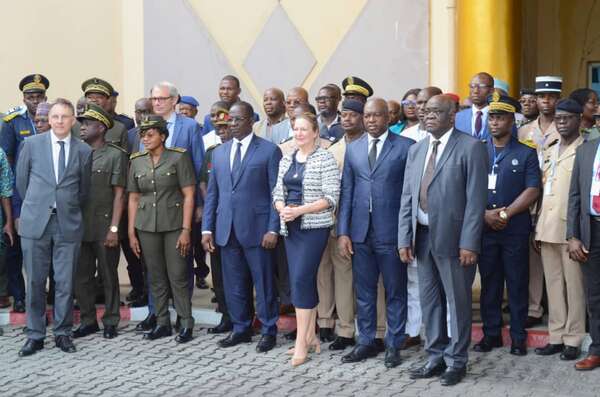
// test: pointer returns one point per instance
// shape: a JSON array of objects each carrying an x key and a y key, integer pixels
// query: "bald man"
[
  {"x": 473, "y": 120},
  {"x": 441, "y": 224},
  {"x": 276, "y": 126},
  {"x": 370, "y": 197}
]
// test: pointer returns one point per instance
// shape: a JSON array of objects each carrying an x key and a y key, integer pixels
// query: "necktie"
[
  {"x": 373, "y": 153},
  {"x": 427, "y": 176},
  {"x": 478, "y": 122},
  {"x": 596, "y": 199},
  {"x": 237, "y": 162},
  {"x": 61, "y": 160}
]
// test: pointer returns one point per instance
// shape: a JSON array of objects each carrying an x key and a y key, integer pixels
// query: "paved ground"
[{"x": 128, "y": 366}]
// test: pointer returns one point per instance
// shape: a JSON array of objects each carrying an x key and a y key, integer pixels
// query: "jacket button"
[
  {"x": 152, "y": 182},
  {"x": 154, "y": 204},
  {"x": 493, "y": 192},
  {"x": 494, "y": 205}
]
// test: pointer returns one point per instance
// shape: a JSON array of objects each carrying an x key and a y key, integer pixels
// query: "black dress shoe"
[
  {"x": 223, "y": 327},
  {"x": 110, "y": 332},
  {"x": 30, "y": 347},
  {"x": 201, "y": 283},
  {"x": 184, "y": 336},
  {"x": 326, "y": 335},
  {"x": 359, "y": 353},
  {"x": 392, "y": 357},
  {"x": 518, "y": 349},
  {"x": 532, "y": 321},
  {"x": 160, "y": 331},
  {"x": 235, "y": 338},
  {"x": 487, "y": 343},
  {"x": 340, "y": 343},
  {"x": 65, "y": 344},
  {"x": 452, "y": 376},
  {"x": 19, "y": 306},
  {"x": 146, "y": 324},
  {"x": 290, "y": 335},
  {"x": 427, "y": 371},
  {"x": 549, "y": 349},
  {"x": 379, "y": 345},
  {"x": 85, "y": 330},
  {"x": 266, "y": 343},
  {"x": 569, "y": 353}
]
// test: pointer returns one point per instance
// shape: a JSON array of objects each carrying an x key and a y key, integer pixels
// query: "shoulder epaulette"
[
  {"x": 14, "y": 112},
  {"x": 333, "y": 139},
  {"x": 212, "y": 147},
  {"x": 286, "y": 139},
  {"x": 554, "y": 142},
  {"x": 137, "y": 154},
  {"x": 112, "y": 145},
  {"x": 176, "y": 149}
]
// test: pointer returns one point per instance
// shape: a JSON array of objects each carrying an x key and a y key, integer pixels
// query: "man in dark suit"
[
  {"x": 583, "y": 234},
  {"x": 53, "y": 177},
  {"x": 474, "y": 119},
  {"x": 369, "y": 205},
  {"x": 441, "y": 220},
  {"x": 244, "y": 173}
]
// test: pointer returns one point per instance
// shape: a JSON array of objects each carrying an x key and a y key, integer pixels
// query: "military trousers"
[
  {"x": 167, "y": 270},
  {"x": 94, "y": 255}
]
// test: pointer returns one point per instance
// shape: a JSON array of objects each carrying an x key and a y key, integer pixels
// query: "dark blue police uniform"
[{"x": 505, "y": 253}]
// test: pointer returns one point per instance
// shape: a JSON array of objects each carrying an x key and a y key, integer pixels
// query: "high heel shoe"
[
  {"x": 315, "y": 347},
  {"x": 296, "y": 361}
]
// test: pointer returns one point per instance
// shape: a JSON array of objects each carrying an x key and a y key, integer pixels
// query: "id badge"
[{"x": 492, "y": 181}]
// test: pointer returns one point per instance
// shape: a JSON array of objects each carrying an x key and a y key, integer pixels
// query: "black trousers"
[
  {"x": 217, "y": 279},
  {"x": 591, "y": 278}
]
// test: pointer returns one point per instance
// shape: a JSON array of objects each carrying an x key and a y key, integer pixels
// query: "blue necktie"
[
  {"x": 237, "y": 162},
  {"x": 61, "y": 160}
]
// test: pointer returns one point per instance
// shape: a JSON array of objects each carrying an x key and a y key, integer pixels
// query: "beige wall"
[{"x": 68, "y": 41}]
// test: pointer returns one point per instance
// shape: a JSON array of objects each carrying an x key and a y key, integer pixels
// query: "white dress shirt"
[
  {"x": 484, "y": 116},
  {"x": 415, "y": 133},
  {"x": 381, "y": 138},
  {"x": 56, "y": 151},
  {"x": 422, "y": 217},
  {"x": 234, "y": 145},
  {"x": 171, "y": 128}
]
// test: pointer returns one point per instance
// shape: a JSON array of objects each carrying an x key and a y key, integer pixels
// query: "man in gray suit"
[
  {"x": 53, "y": 176},
  {"x": 441, "y": 220}
]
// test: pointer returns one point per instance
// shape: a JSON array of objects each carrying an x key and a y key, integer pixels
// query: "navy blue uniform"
[{"x": 505, "y": 253}]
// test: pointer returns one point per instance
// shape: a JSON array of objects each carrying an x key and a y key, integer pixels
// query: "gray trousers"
[
  {"x": 94, "y": 254},
  {"x": 37, "y": 256},
  {"x": 441, "y": 280}
]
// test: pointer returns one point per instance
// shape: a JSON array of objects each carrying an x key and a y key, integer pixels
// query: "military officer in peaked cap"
[
  {"x": 356, "y": 88},
  {"x": 101, "y": 216}
]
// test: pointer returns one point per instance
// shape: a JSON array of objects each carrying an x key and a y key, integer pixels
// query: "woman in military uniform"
[{"x": 161, "y": 204}]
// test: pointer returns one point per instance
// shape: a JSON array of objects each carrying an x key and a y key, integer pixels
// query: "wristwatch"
[
  {"x": 114, "y": 229},
  {"x": 503, "y": 215}
]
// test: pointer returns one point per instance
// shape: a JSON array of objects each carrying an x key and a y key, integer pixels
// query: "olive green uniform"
[
  {"x": 109, "y": 169},
  {"x": 117, "y": 135},
  {"x": 158, "y": 222}
]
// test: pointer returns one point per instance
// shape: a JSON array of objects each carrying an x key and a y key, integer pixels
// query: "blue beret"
[
  {"x": 569, "y": 105},
  {"x": 115, "y": 93},
  {"x": 354, "y": 105},
  {"x": 190, "y": 100}
]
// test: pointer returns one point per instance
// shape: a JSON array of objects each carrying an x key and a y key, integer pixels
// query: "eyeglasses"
[
  {"x": 408, "y": 102},
  {"x": 324, "y": 98},
  {"x": 481, "y": 86},
  {"x": 235, "y": 120},
  {"x": 160, "y": 98}
]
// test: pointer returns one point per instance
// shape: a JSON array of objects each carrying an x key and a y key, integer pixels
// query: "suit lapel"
[
  {"x": 48, "y": 156},
  {"x": 72, "y": 149},
  {"x": 388, "y": 145},
  {"x": 176, "y": 131},
  {"x": 362, "y": 145},
  {"x": 452, "y": 141},
  {"x": 420, "y": 164}
]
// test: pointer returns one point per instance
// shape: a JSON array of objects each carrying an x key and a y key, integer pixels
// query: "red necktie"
[
  {"x": 596, "y": 198},
  {"x": 478, "y": 124}
]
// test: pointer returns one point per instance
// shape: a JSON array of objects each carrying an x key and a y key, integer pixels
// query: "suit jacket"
[
  {"x": 578, "y": 214},
  {"x": 463, "y": 123},
  {"x": 372, "y": 196},
  {"x": 36, "y": 183},
  {"x": 456, "y": 198},
  {"x": 243, "y": 204},
  {"x": 187, "y": 135}
]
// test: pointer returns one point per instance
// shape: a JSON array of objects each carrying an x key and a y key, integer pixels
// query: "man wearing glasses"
[
  {"x": 474, "y": 119},
  {"x": 327, "y": 101}
]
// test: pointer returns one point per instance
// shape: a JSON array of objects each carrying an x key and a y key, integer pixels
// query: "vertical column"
[
  {"x": 132, "y": 39},
  {"x": 488, "y": 40},
  {"x": 442, "y": 38}
]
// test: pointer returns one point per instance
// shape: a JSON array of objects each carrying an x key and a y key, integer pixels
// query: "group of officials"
[{"x": 374, "y": 210}]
